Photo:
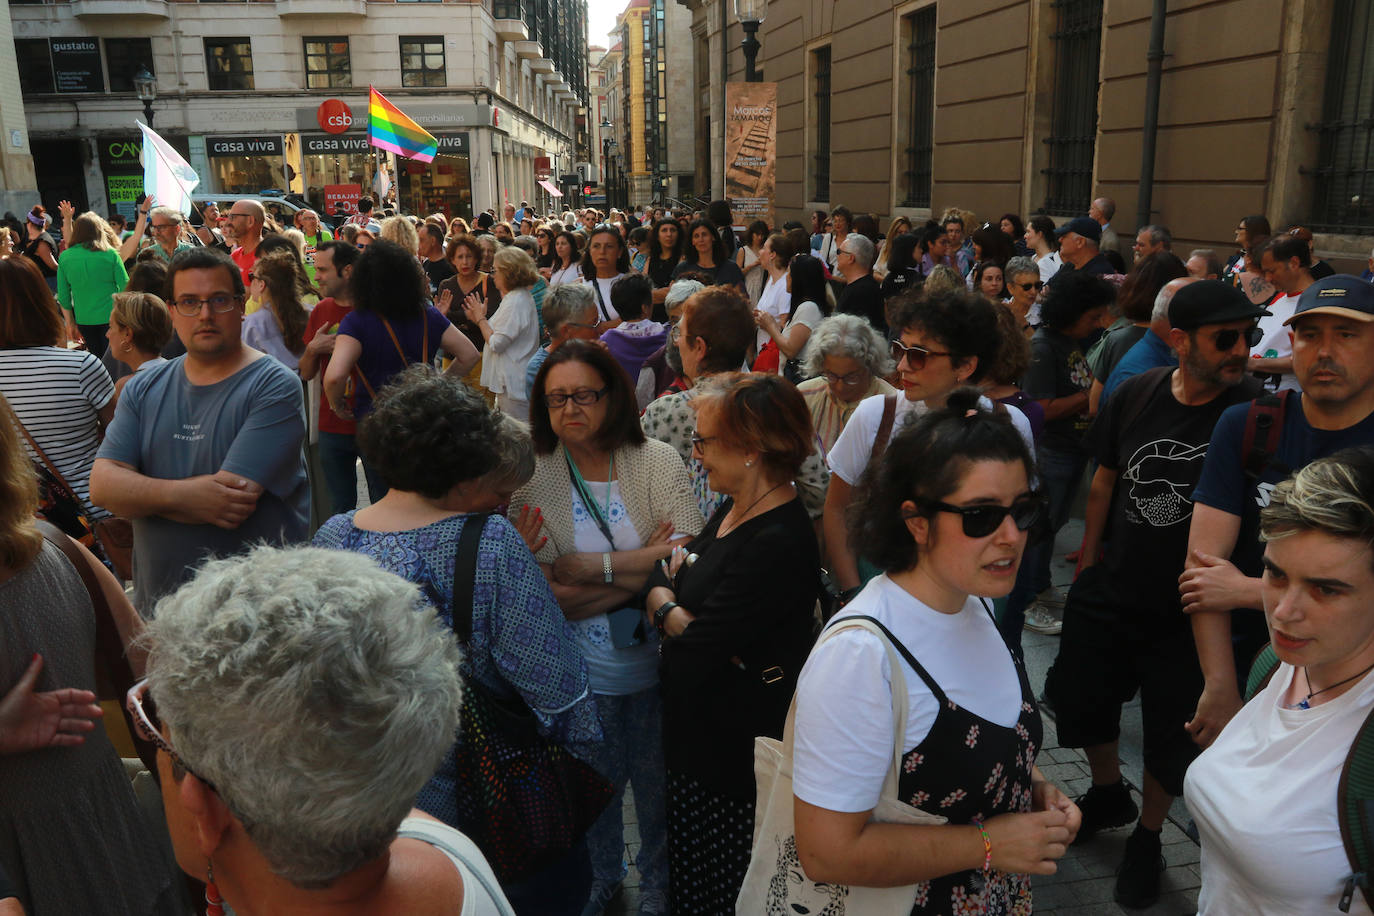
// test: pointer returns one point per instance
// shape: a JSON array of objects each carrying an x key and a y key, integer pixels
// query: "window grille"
[{"x": 1077, "y": 42}]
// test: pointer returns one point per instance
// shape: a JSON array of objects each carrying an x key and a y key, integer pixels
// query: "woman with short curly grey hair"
[
  {"x": 267, "y": 793},
  {"x": 569, "y": 314},
  {"x": 436, "y": 442},
  {"x": 847, "y": 359}
]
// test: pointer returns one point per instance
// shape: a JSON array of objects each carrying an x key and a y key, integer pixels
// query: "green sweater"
[{"x": 86, "y": 280}]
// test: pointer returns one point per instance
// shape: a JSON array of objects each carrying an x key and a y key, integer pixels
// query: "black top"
[
  {"x": 901, "y": 281},
  {"x": 30, "y": 251},
  {"x": 864, "y": 297},
  {"x": 438, "y": 270},
  {"x": 725, "y": 273},
  {"x": 1099, "y": 266},
  {"x": 486, "y": 289},
  {"x": 660, "y": 272},
  {"x": 753, "y": 593}
]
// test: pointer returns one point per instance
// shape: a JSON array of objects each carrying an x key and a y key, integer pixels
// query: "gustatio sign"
[{"x": 334, "y": 116}]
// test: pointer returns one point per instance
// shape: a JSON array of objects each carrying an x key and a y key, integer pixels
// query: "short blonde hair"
[
  {"x": 146, "y": 317},
  {"x": 400, "y": 230},
  {"x": 517, "y": 266}
]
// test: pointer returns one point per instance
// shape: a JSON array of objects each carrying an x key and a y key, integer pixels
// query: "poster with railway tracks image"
[{"x": 751, "y": 136}]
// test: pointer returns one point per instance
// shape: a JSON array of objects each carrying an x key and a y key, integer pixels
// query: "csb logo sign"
[{"x": 334, "y": 116}]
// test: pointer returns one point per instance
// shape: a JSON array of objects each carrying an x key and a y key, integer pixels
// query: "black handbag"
[{"x": 523, "y": 799}]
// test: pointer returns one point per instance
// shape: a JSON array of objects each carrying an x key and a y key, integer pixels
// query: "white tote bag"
[{"x": 775, "y": 882}]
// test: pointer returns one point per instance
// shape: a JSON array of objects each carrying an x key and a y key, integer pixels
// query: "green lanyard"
[{"x": 599, "y": 515}]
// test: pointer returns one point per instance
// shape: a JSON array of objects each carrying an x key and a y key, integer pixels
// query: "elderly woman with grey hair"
[
  {"x": 847, "y": 359},
  {"x": 267, "y": 795},
  {"x": 1022, "y": 276},
  {"x": 521, "y": 647},
  {"x": 569, "y": 314},
  {"x": 662, "y": 372}
]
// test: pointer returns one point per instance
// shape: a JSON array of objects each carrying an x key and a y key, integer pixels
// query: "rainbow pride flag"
[{"x": 389, "y": 129}]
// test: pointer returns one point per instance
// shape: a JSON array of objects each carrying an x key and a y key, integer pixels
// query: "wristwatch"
[
  {"x": 607, "y": 573},
  {"x": 661, "y": 615}
]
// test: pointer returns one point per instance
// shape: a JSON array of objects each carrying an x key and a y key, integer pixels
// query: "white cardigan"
[{"x": 514, "y": 338}]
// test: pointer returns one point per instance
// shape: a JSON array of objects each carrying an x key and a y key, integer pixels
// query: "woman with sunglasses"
[
  {"x": 847, "y": 362},
  {"x": 71, "y": 834},
  {"x": 948, "y": 339},
  {"x": 1023, "y": 290},
  {"x": 267, "y": 797},
  {"x": 735, "y": 607},
  {"x": 612, "y": 500},
  {"x": 945, "y": 516}
]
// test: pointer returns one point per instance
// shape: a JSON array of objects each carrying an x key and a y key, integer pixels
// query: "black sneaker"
[
  {"x": 1137, "y": 880},
  {"x": 1105, "y": 808}
]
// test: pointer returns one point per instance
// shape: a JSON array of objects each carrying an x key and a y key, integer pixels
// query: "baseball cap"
[
  {"x": 1211, "y": 302},
  {"x": 1338, "y": 294},
  {"x": 1085, "y": 226}
]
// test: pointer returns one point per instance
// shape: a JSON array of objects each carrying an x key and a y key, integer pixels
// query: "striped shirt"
[{"x": 56, "y": 393}]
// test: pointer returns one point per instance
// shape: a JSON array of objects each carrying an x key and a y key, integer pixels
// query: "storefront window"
[
  {"x": 442, "y": 186},
  {"x": 246, "y": 165}
]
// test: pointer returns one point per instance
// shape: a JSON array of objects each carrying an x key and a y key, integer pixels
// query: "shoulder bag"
[
  {"x": 112, "y": 538},
  {"x": 771, "y": 885},
  {"x": 522, "y": 798}
]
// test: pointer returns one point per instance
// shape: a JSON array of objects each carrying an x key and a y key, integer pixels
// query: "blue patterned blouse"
[{"x": 521, "y": 642}]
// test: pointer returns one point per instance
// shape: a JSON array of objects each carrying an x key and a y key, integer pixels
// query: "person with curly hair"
[
  {"x": 944, "y": 515},
  {"x": 520, "y": 646}
]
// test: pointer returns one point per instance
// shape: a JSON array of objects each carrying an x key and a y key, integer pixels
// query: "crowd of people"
[{"x": 680, "y": 455}]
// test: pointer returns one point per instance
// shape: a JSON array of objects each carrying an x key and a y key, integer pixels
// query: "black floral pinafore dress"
[{"x": 967, "y": 768}]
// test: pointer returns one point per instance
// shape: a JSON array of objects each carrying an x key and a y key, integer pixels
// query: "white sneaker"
[
  {"x": 1053, "y": 596},
  {"x": 1039, "y": 619}
]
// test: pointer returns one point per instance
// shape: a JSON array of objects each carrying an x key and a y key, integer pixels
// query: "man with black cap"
[
  {"x": 1124, "y": 626},
  {"x": 1078, "y": 240},
  {"x": 1254, "y": 447}
]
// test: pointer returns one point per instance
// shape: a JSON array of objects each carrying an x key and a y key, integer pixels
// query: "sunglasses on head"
[
  {"x": 1225, "y": 340},
  {"x": 915, "y": 356},
  {"x": 981, "y": 521}
]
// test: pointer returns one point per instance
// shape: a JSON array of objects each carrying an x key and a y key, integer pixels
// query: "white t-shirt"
[
  {"x": 1264, "y": 799},
  {"x": 611, "y": 671},
  {"x": 843, "y": 744},
  {"x": 1049, "y": 266},
  {"x": 570, "y": 274},
  {"x": 810, "y": 315},
  {"x": 776, "y": 301},
  {"x": 482, "y": 894},
  {"x": 849, "y": 457},
  {"x": 604, "y": 309},
  {"x": 1277, "y": 341},
  {"x": 514, "y": 338}
]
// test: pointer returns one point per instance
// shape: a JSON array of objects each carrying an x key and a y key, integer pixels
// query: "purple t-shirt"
[{"x": 380, "y": 360}]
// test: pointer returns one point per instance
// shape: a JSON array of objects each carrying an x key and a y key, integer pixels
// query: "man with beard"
[
  {"x": 1333, "y": 359},
  {"x": 1124, "y": 626}
]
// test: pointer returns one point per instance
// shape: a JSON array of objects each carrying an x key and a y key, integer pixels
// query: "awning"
[{"x": 550, "y": 187}]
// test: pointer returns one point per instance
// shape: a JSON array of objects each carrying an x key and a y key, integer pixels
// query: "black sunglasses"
[
  {"x": 1027, "y": 287},
  {"x": 915, "y": 356},
  {"x": 1225, "y": 340},
  {"x": 981, "y": 521}
]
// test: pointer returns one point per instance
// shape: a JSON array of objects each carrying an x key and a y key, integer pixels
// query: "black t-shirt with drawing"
[
  {"x": 1058, "y": 370},
  {"x": 1157, "y": 447}
]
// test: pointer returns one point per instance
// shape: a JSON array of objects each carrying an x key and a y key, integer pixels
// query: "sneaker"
[
  {"x": 1137, "y": 880},
  {"x": 1105, "y": 808},
  {"x": 603, "y": 893},
  {"x": 1039, "y": 619},
  {"x": 1052, "y": 597}
]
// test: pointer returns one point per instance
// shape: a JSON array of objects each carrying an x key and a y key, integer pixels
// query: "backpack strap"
[
  {"x": 465, "y": 575},
  {"x": 884, "y": 428},
  {"x": 1263, "y": 430},
  {"x": 1266, "y": 662},
  {"x": 1142, "y": 392},
  {"x": 1355, "y": 810}
]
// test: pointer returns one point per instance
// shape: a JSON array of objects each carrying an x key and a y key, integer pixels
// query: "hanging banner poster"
[{"x": 751, "y": 138}]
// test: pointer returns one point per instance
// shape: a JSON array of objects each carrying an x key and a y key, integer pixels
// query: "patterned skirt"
[{"x": 709, "y": 839}]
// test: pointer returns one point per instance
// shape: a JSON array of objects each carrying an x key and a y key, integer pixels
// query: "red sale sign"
[{"x": 341, "y": 199}]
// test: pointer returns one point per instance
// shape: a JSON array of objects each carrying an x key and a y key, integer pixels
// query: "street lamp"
[
  {"x": 750, "y": 14},
  {"x": 146, "y": 88}
]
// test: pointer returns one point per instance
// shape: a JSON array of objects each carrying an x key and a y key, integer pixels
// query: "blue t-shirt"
[
  {"x": 532, "y": 368},
  {"x": 1225, "y": 486},
  {"x": 251, "y": 424},
  {"x": 380, "y": 360},
  {"x": 1149, "y": 352}
]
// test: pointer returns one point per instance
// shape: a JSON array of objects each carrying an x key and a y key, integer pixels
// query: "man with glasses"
[
  {"x": 862, "y": 295},
  {"x": 204, "y": 451},
  {"x": 164, "y": 224},
  {"x": 246, "y": 220},
  {"x": 1124, "y": 626},
  {"x": 1286, "y": 263}
]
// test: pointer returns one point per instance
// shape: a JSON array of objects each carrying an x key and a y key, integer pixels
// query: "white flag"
[
  {"x": 167, "y": 178},
  {"x": 381, "y": 183}
]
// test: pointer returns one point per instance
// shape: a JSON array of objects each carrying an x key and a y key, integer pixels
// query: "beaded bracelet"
[{"x": 987, "y": 847}]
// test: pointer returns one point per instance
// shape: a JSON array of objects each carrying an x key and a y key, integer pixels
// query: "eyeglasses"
[
  {"x": 1027, "y": 287},
  {"x": 582, "y": 396},
  {"x": 190, "y": 306},
  {"x": 915, "y": 356},
  {"x": 981, "y": 521},
  {"x": 699, "y": 441},
  {"x": 162, "y": 225},
  {"x": 143, "y": 712},
  {"x": 849, "y": 380},
  {"x": 1225, "y": 340},
  {"x": 252, "y": 277},
  {"x": 581, "y": 324}
]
